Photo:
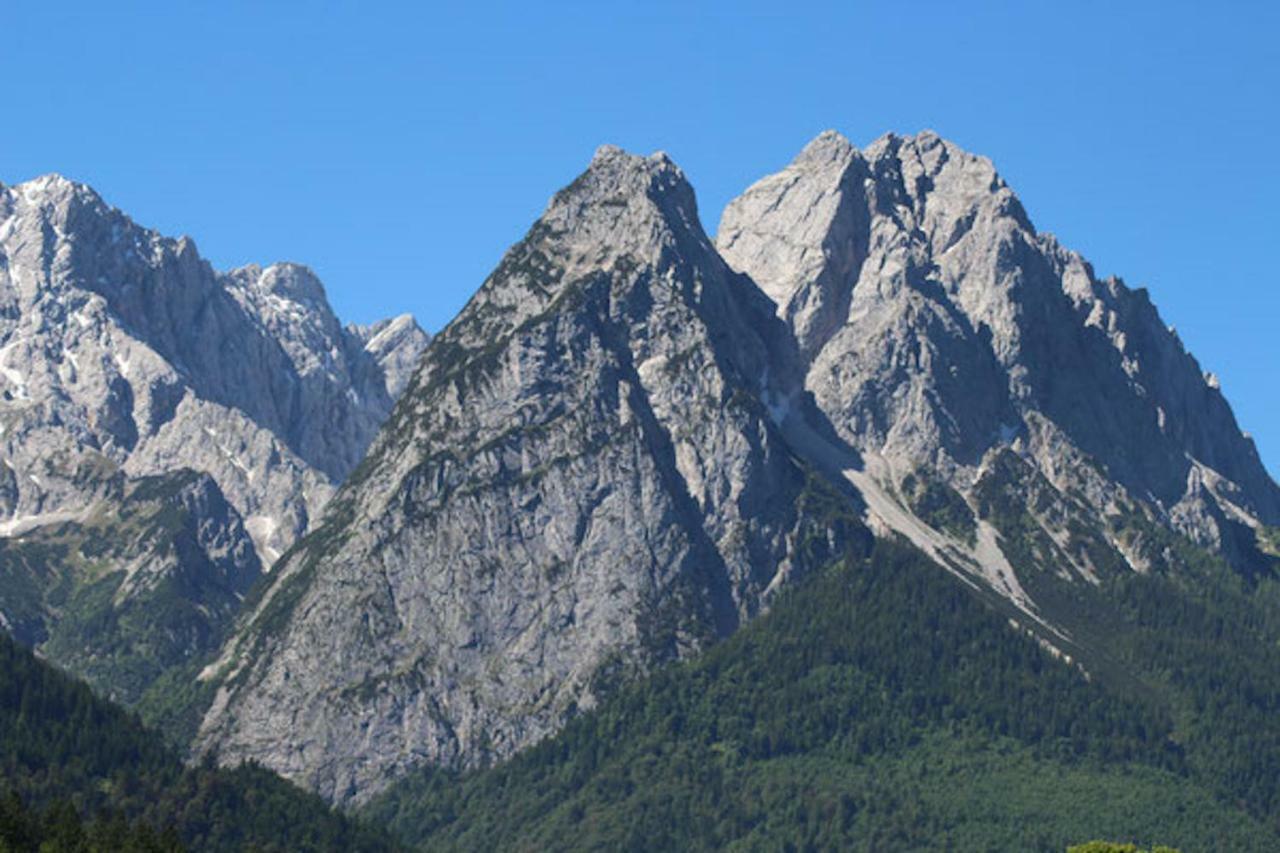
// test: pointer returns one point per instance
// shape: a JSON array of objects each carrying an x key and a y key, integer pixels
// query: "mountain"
[
  {"x": 939, "y": 328},
  {"x": 395, "y": 344},
  {"x": 581, "y": 481},
  {"x": 151, "y": 578},
  {"x": 632, "y": 440},
  {"x": 166, "y": 430}
]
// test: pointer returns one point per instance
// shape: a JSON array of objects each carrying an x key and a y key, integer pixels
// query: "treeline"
[
  {"x": 60, "y": 828},
  {"x": 69, "y": 759}
]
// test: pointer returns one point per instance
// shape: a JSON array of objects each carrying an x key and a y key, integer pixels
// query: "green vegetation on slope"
[
  {"x": 127, "y": 593},
  {"x": 939, "y": 505},
  {"x": 66, "y": 754},
  {"x": 879, "y": 706},
  {"x": 1269, "y": 540},
  {"x": 1112, "y": 847},
  {"x": 1188, "y": 636},
  {"x": 62, "y": 829}
]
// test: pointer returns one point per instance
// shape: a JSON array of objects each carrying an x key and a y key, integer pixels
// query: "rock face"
[
  {"x": 396, "y": 345},
  {"x": 938, "y": 327},
  {"x": 620, "y": 448},
  {"x": 124, "y": 357},
  {"x": 122, "y": 349},
  {"x": 581, "y": 480},
  {"x": 151, "y": 578}
]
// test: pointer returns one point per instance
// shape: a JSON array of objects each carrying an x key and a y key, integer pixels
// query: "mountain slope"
[
  {"x": 879, "y": 706},
  {"x": 125, "y": 360},
  {"x": 61, "y": 744},
  {"x": 622, "y": 450},
  {"x": 580, "y": 479},
  {"x": 152, "y": 579}
]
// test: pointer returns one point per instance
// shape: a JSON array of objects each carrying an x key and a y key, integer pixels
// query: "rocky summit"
[
  {"x": 632, "y": 437},
  {"x": 940, "y": 328},
  {"x": 124, "y": 357},
  {"x": 582, "y": 480}
]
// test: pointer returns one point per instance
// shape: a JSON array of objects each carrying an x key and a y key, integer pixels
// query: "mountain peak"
[
  {"x": 54, "y": 187},
  {"x": 51, "y": 180},
  {"x": 295, "y": 282},
  {"x": 609, "y": 156},
  {"x": 623, "y": 205},
  {"x": 589, "y": 428},
  {"x": 830, "y": 145},
  {"x": 615, "y": 176},
  {"x": 920, "y": 246}
]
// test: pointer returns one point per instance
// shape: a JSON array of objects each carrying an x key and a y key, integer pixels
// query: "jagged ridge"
[
  {"x": 125, "y": 357},
  {"x": 621, "y": 448},
  {"x": 581, "y": 479}
]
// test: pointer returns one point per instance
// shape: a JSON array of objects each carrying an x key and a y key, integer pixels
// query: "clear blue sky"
[{"x": 399, "y": 148}]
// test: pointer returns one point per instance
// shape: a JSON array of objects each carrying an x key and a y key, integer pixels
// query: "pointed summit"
[
  {"x": 830, "y": 145},
  {"x": 800, "y": 234},
  {"x": 624, "y": 205},
  {"x": 295, "y": 282},
  {"x": 624, "y": 212},
  {"x": 581, "y": 478},
  {"x": 53, "y": 183},
  {"x": 936, "y": 320}
]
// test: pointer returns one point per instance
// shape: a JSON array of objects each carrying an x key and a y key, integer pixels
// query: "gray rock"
[
  {"x": 120, "y": 348},
  {"x": 126, "y": 361},
  {"x": 396, "y": 344},
  {"x": 151, "y": 579},
  {"x": 939, "y": 326}
]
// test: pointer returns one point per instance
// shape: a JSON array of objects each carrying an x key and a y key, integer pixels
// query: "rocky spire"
[{"x": 582, "y": 480}]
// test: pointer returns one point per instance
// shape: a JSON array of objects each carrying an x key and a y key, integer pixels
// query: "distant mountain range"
[{"x": 166, "y": 430}]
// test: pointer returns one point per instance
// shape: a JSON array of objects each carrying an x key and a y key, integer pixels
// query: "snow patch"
[
  {"x": 22, "y": 523},
  {"x": 397, "y": 325},
  {"x": 15, "y": 377},
  {"x": 261, "y": 529},
  {"x": 229, "y": 455}
]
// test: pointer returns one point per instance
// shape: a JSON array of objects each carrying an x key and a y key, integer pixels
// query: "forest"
[{"x": 78, "y": 773}]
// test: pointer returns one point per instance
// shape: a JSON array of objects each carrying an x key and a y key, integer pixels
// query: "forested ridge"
[{"x": 79, "y": 773}]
